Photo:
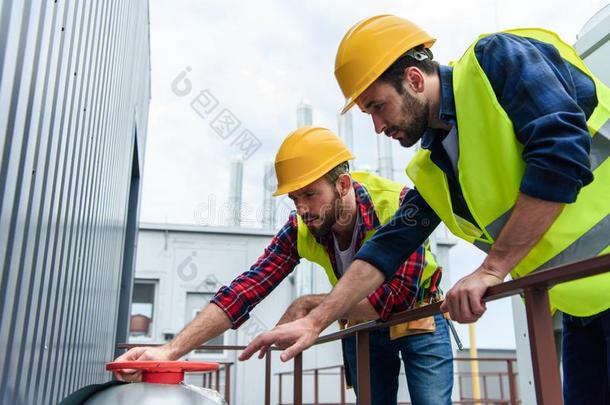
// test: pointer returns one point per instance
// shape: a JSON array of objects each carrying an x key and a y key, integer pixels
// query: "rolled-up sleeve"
[
  {"x": 277, "y": 261},
  {"x": 540, "y": 93}
]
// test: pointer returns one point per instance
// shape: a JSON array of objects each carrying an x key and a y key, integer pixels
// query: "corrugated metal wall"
[{"x": 74, "y": 95}]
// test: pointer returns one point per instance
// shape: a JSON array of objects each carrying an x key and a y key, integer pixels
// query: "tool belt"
[{"x": 416, "y": 327}]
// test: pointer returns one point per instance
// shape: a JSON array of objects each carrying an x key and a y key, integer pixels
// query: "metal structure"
[
  {"x": 304, "y": 114},
  {"x": 593, "y": 44},
  {"x": 74, "y": 96},
  {"x": 235, "y": 192},
  {"x": 503, "y": 381},
  {"x": 345, "y": 125},
  {"x": 385, "y": 163},
  {"x": 269, "y": 186}
]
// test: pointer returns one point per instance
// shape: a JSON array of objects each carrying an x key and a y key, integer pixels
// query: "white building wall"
[{"x": 186, "y": 259}]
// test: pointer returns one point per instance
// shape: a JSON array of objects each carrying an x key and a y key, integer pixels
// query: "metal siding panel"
[
  {"x": 50, "y": 157},
  {"x": 68, "y": 290},
  {"x": 62, "y": 225},
  {"x": 93, "y": 127},
  {"x": 102, "y": 240},
  {"x": 83, "y": 336},
  {"x": 12, "y": 278},
  {"x": 10, "y": 178},
  {"x": 5, "y": 18},
  {"x": 77, "y": 313},
  {"x": 23, "y": 344},
  {"x": 30, "y": 344},
  {"x": 66, "y": 179}
]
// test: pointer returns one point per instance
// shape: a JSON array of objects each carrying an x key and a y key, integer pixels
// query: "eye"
[
  {"x": 378, "y": 107},
  {"x": 309, "y": 194}
]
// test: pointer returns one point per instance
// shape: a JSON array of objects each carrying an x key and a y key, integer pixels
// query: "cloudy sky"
[{"x": 256, "y": 60}]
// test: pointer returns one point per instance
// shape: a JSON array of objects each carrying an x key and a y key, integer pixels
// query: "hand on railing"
[
  {"x": 298, "y": 335},
  {"x": 160, "y": 353},
  {"x": 464, "y": 301}
]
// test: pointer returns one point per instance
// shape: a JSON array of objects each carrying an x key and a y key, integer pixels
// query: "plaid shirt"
[{"x": 281, "y": 257}]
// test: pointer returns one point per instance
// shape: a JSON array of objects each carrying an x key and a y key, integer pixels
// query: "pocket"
[{"x": 416, "y": 327}]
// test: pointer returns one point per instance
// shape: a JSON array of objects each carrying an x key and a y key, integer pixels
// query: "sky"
[{"x": 254, "y": 61}]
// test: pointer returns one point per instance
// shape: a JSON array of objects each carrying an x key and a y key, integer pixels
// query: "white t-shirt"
[{"x": 345, "y": 257}]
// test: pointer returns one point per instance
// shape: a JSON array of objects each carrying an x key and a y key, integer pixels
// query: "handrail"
[
  {"x": 543, "y": 279},
  {"x": 533, "y": 287}
]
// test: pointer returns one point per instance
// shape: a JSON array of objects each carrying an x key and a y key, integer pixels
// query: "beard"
[
  {"x": 329, "y": 218},
  {"x": 412, "y": 129}
]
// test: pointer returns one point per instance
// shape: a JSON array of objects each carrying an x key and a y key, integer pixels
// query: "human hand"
[{"x": 160, "y": 353}]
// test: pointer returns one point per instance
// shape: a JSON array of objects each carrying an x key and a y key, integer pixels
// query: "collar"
[{"x": 447, "y": 112}]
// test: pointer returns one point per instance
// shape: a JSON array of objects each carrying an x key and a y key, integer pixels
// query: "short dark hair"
[
  {"x": 333, "y": 175},
  {"x": 394, "y": 74}
]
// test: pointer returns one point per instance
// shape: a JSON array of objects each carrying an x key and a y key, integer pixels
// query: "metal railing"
[
  {"x": 211, "y": 379},
  {"x": 505, "y": 381},
  {"x": 533, "y": 287}
]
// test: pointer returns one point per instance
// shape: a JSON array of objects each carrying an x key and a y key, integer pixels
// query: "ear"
[
  {"x": 344, "y": 183},
  {"x": 414, "y": 79}
]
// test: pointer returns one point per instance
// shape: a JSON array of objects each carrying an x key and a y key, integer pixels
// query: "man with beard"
[
  {"x": 335, "y": 214},
  {"x": 515, "y": 139}
]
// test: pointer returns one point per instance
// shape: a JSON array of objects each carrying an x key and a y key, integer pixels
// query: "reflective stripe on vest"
[
  {"x": 491, "y": 185},
  {"x": 385, "y": 195}
]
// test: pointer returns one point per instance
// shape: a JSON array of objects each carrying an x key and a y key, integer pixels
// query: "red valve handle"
[{"x": 163, "y": 372}]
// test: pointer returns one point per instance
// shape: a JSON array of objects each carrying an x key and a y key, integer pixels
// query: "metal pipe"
[
  {"x": 268, "y": 378},
  {"x": 474, "y": 364},
  {"x": 298, "y": 380},
  {"x": 228, "y": 383},
  {"x": 542, "y": 343},
  {"x": 363, "y": 367},
  {"x": 315, "y": 387}
]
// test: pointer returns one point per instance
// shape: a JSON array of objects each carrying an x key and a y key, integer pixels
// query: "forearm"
[
  {"x": 362, "y": 311},
  {"x": 209, "y": 323},
  {"x": 530, "y": 219},
  {"x": 358, "y": 282}
]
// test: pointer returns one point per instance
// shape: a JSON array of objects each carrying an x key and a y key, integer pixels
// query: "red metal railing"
[
  {"x": 534, "y": 287},
  {"x": 504, "y": 380}
]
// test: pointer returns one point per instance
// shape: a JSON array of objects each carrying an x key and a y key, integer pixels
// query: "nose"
[
  {"x": 378, "y": 122},
  {"x": 301, "y": 209}
]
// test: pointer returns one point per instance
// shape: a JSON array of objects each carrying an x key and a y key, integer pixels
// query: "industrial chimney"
[
  {"x": 304, "y": 114},
  {"x": 269, "y": 186},
  {"x": 346, "y": 131},
  {"x": 384, "y": 157},
  {"x": 235, "y": 192}
]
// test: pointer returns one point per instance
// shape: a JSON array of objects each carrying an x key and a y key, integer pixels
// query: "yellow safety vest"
[
  {"x": 490, "y": 169},
  {"x": 385, "y": 195}
]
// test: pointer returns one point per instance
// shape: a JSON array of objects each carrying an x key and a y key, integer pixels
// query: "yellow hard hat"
[
  {"x": 369, "y": 48},
  {"x": 306, "y": 155}
]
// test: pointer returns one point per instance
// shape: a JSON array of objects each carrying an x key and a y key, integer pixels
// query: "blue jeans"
[
  {"x": 428, "y": 362},
  {"x": 586, "y": 359}
]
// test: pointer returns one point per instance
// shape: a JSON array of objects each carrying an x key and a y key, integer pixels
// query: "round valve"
[{"x": 163, "y": 372}]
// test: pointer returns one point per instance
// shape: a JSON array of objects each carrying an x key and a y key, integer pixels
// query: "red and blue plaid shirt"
[{"x": 281, "y": 257}]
